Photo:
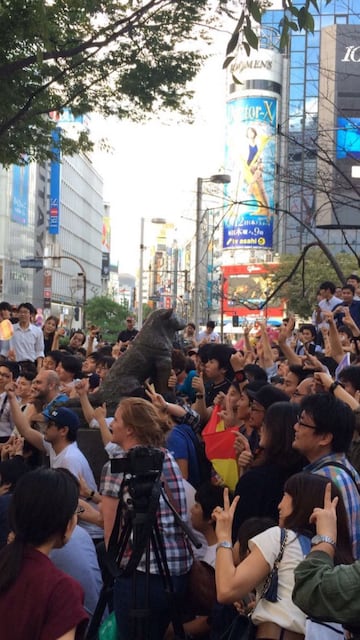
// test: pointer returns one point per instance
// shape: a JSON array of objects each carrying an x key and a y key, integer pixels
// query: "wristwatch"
[
  {"x": 224, "y": 545},
  {"x": 318, "y": 539},
  {"x": 199, "y": 396}
]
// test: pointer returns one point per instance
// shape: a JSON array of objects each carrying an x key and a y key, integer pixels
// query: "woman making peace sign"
[{"x": 281, "y": 619}]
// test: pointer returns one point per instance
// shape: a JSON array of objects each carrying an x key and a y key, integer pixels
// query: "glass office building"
[{"x": 300, "y": 176}]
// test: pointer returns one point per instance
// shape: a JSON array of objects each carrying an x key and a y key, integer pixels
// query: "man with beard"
[{"x": 46, "y": 393}]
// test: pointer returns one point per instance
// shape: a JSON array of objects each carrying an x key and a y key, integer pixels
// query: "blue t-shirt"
[
  {"x": 180, "y": 443},
  {"x": 78, "y": 559}
]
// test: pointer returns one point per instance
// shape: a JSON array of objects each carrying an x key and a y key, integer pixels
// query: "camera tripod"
[{"x": 136, "y": 517}]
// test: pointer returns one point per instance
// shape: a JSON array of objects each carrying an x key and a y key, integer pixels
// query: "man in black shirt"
[
  {"x": 217, "y": 372},
  {"x": 126, "y": 336}
]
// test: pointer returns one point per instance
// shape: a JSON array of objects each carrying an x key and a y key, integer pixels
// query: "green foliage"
[
  {"x": 108, "y": 315},
  {"x": 300, "y": 291},
  {"x": 295, "y": 18},
  {"x": 146, "y": 311},
  {"x": 124, "y": 58}
]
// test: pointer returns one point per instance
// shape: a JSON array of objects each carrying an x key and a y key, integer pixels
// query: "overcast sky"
[{"x": 153, "y": 168}]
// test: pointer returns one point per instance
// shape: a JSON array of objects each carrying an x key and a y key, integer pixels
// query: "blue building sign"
[{"x": 54, "y": 213}]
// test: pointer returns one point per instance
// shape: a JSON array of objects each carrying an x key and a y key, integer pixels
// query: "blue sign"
[
  {"x": 348, "y": 138},
  {"x": 251, "y": 159},
  {"x": 20, "y": 194},
  {"x": 32, "y": 263},
  {"x": 54, "y": 213}
]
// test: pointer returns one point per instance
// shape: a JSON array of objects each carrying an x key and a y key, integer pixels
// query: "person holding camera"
[
  {"x": 137, "y": 424},
  {"x": 127, "y": 335}
]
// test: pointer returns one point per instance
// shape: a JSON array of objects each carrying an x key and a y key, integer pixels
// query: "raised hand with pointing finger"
[{"x": 325, "y": 519}]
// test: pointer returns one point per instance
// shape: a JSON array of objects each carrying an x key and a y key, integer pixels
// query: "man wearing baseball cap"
[{"x": 59, "y": 443}]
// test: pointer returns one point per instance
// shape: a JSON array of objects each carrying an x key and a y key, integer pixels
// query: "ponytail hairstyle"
[{"x": 43, "y": 503}]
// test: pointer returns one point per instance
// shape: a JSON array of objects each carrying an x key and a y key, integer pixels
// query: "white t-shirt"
[
  {"x": 73, "y": 459},
  {"x": 284, "y": 612},
  {"x": 210, "y": 555},
  {"x": 210, "y": 337}
]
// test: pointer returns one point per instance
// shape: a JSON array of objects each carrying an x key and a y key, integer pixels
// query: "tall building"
[
  {"x": 288, "y": 113},
  {"x": 18, "y": 214},
  {"x": 320, "y": 97},
  {"x": 77, "y": 236},
  {"x": 53, "y": 210},
  {"x": 293, "y": 150}
]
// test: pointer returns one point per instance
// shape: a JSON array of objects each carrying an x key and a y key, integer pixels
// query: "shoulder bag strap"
[
  {"x": 339, "y": 465},
  {"x": 270, "y": 587}
]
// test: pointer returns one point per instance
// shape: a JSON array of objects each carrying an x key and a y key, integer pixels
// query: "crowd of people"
[{"x": 260, "y": 456}]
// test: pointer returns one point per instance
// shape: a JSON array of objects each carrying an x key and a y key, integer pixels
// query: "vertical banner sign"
[
  {"x": 105, "y": 265},
  {"x": 251, "y": 159},
  {"x": 47, "y": 289},
  {"x": 20, "y": 194},
  {"x": 54, "y": 214},
  {"x": 106, "y": 233}
]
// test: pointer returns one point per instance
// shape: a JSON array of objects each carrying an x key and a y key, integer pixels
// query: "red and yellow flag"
[{"x": 219, "y": 448}]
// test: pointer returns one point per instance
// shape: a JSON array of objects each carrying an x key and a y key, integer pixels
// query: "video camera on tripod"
[
  {"x": 136, "y": 531},
  {"x": 142, "y": 468}
]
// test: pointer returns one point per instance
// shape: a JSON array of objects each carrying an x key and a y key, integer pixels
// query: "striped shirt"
[
  {"x": 178, "y": 556},
  {"x": 349, "y": 490}
]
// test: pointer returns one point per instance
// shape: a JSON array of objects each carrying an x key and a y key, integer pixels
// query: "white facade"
[
  {"x": 81, "y": 218},
  {"x": 24, "y": 219}
]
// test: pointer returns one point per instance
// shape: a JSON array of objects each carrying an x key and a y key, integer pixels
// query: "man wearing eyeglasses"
[
  {"x": 127, "y": 335},
  {"x": 323, "y": 434}
]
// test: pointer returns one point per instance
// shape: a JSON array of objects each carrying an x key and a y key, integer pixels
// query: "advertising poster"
[
  {"x": 20, "y": 194},
  {"x": 251, "y": 159},
  {"x": 106, "y": 233}
]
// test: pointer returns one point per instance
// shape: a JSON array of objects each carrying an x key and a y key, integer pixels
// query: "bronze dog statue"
[{"x": 148, "y": 356}]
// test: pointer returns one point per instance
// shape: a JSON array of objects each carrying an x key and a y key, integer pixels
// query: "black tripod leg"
[
  {"x": 112, "y": 560},
  {"x": 140, "y": 616},
  {"x": 161, "y": 560}
]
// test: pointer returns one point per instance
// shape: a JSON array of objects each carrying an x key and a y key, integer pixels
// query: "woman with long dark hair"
[
  {"x": 261, "y": 487},
  {"x": 37, "y": 600},
  {"x": 51, "y": 339},
  {"x": 276, "y": 617}
]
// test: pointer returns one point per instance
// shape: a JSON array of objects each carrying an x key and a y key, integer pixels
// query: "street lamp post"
[
  {"x": 141, "y": 267},
  {"x": 82, "y": 273},
  {"x": 219, "y": 178}
]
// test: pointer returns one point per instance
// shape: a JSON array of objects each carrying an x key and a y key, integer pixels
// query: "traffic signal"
[
  {"x": 235, "y": 321},
  {"x": 76, "y": 313}
]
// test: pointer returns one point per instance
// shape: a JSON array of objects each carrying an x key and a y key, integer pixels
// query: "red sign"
[{"x": 246, "y": 287}]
